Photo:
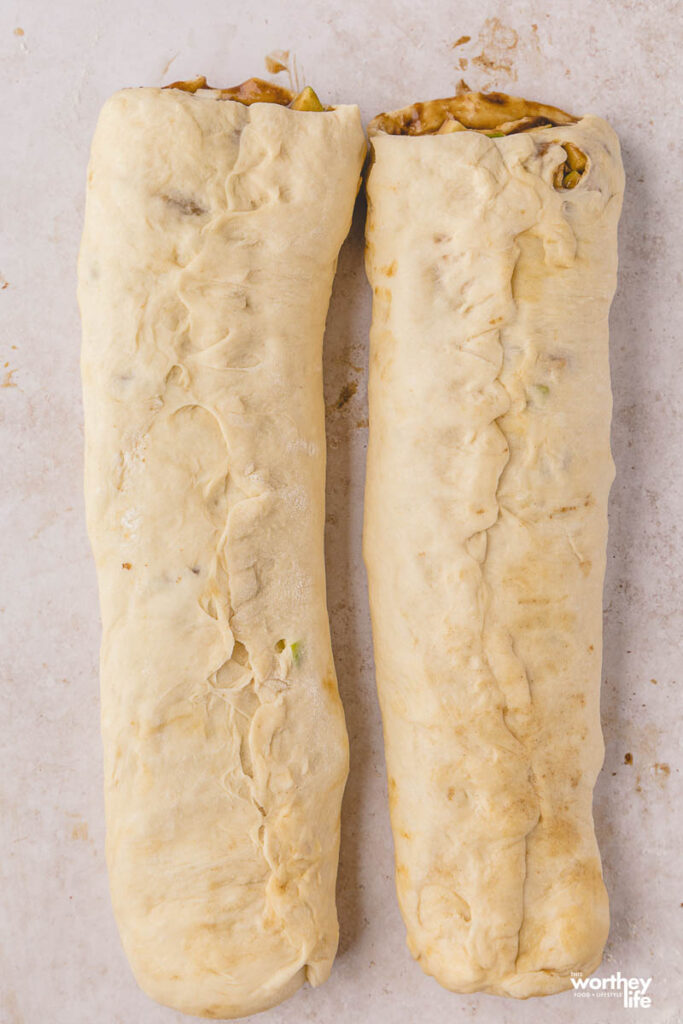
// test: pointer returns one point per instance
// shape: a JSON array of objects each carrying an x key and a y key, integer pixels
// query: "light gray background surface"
[{"x": 60, "y": 959}]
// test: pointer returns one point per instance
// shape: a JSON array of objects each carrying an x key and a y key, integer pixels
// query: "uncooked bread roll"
[
  {"x": 492, "y": 253},
  {"x": 211, "y": 237}
]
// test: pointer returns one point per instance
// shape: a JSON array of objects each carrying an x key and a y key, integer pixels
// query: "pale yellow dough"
[
  {"x": 485, "y": 531},
  {"x": 211, "y": 236}
]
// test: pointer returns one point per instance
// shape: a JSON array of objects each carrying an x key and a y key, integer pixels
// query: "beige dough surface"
[
  {"x": 485, "y": 531},
  {"x": 211, "y": 237}
]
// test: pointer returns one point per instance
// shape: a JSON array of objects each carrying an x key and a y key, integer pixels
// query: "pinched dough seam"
[
  {"x": 497, "y": 421},
  {"x": 531, "y": 775},
  {"x": 242, "y": 731}
]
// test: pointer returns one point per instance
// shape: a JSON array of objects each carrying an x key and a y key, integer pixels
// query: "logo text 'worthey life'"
[{"x": 634, "y": 990}]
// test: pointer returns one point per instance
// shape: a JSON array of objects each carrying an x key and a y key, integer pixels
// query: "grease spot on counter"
[
  {"x": 276, "y": 62},
  {"x": 497, "y": 42},
  {"x": 496, "y": 49},
  {"x": 168, "y": 64},
  {"x": 346, "y": 394},
  {"x": 79, "y": 830},
  {"x": 284, "y": 60}
]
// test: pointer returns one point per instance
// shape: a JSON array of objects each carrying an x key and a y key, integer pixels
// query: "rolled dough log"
[
  {"x": 485, "y": 531},
  {"x": 211, "y": 237}
]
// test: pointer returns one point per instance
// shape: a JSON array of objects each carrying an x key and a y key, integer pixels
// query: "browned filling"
[
  {"x": 568, "y": 174},
  {"x": 256, "y": 90},
  {"x": 494, "y": 114}
]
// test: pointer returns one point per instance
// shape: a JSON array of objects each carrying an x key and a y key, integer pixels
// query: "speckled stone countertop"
[{"x": 60, "y": 958}]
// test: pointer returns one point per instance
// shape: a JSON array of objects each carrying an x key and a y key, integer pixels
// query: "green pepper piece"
[{"x": 306, "y": 100}]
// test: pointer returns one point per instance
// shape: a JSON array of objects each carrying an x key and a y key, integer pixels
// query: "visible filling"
[
  {"x": 494, "y": 114},
  {"x": 568, "y": 174},
  {"x": 255, "y": 90}
]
